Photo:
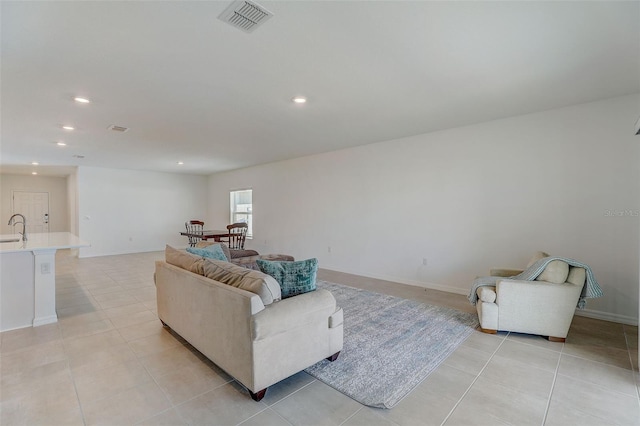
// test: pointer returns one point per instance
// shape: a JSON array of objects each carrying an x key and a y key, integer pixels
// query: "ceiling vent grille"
[
  {"x": 118, "y": 128},
  {"x": 245, "y": 15}
]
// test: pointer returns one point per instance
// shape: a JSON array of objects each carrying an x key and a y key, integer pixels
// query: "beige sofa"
[{"x": 243, "y": 326}]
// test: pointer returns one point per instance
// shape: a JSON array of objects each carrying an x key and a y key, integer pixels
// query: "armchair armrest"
[
  {"x": 536, "y": 307},
  {"x": 537, "y": 294},
  {"x": 505, "y": 272}
]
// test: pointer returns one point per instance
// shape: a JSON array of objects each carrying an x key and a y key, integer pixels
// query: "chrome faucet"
[{"x": 24, "y": 225}]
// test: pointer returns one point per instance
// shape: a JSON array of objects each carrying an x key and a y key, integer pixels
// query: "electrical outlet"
[
  {"x": 45, "y": 268},
  {"x": 424, "y": 261},
  {"x": 329, "y": 249}
]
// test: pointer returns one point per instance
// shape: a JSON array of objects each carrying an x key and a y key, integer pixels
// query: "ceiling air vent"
[
  {"x": 118, "y": 128},
  {"x": 245, "y": 15}
]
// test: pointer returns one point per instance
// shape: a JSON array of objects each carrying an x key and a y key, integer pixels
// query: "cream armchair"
[{"x": 543, "y": 306}]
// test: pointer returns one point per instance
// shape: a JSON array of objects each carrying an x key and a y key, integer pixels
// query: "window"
[{"x": 241, "y": 208}]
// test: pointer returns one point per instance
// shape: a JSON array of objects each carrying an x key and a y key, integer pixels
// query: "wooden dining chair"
[
  {"x": 194, "y": 227},
  {"x": 237, "y": 235}
]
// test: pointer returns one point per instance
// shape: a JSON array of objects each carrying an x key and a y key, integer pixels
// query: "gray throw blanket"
[{"x": 591, "y": 288}]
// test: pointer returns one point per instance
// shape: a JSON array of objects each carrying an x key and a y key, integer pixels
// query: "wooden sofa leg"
[
  {"x": 488, "y": 330},
  {"x": 333, "y": 357},
  {"x": 556, "y": 339},
  {"x": 258, "y": 395}
]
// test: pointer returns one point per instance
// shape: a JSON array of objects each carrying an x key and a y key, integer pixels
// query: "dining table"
[{"x": 214, "y": 234}]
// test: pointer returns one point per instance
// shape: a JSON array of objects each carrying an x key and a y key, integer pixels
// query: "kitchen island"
[{"x": 28, "y": 278}]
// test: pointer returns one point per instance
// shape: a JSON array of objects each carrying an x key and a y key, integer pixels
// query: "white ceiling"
[{"x": 192, "y": 88}]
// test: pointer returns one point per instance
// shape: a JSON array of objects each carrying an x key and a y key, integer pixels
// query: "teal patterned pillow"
[
  {"x": 213, "y": 251},
  {"x": 294, "y": 277}
]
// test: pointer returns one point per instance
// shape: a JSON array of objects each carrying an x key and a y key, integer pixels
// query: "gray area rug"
[{"x": 390, "y": 344}]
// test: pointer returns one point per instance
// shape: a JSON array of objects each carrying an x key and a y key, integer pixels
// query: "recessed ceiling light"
[
  {"x": 180, "y": 163},
  {"x": 61, "y": 144},
  {"x": 81, "y": 100},
  {"x": 34, "y": 173},
  {"x": 299, "y": 99},
  {"x": 34, "y": 163},
  {"x": 67, "y": 127}
]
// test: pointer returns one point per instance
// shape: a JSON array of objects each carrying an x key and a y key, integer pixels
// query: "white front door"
[{"x": 35, "y": 208}]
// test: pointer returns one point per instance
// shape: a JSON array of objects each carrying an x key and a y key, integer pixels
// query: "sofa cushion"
[
  {"x": 555, "y": 272},
  {"x": 236, "y": 276},
  {"x": 223, "y": 246},
  {"x": 539, "y": 255},
  {"x": 294, "y": 277},
  {"x": 214, "y": 251},
  {"x": 181, "y": 259},
  {"x": 577, "y": 276}
]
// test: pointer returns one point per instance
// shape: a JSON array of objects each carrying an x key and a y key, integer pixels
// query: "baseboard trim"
[
  {"x": 45, "y": 320},
  {"x": 606, "y": 316}
]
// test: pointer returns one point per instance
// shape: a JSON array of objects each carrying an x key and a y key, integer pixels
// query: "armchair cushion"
[
  {"x": 555, "y": 272},
  {"x": 539, "y": 255},
  {"x": 577, "y": 275}
]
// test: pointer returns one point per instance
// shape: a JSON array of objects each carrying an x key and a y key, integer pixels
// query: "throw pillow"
[
  {"x": 294, "y": 277},
  {"x": 183, "y": 260},
  {"x": 213, "y": 251},
  {"x": 236, "y": 276},
  {"x": 225, "y": 248}
]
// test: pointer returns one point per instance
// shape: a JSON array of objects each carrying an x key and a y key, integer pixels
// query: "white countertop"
[{"x": 42, "y": 241}]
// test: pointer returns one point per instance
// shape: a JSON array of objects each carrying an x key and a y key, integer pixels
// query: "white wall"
[
  {"x": 125, "y": 211},
  {"x": 55, "y": 186},
  {"x": 466, "y": 199}
]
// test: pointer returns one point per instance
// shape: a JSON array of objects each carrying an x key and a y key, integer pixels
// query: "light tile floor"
[{"x": 109, "y": 361}]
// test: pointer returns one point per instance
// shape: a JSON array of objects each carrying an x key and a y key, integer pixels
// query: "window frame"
[{"x": 233, "y": 213}]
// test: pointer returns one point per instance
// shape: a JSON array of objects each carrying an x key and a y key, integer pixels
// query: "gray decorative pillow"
[{"x": 294, "y": 277}]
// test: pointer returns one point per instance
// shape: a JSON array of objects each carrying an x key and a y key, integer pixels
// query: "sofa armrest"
[
  {"x": 292, "y": 313},
  {"x": 505, "y": 272}
]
